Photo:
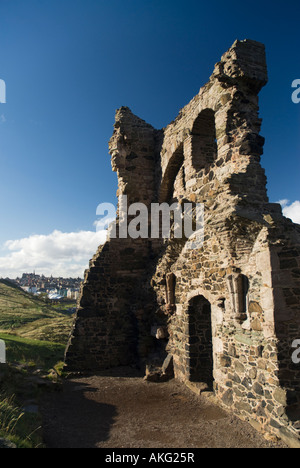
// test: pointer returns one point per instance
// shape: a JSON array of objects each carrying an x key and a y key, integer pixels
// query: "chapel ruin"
[{"x": 223, "y": 317}]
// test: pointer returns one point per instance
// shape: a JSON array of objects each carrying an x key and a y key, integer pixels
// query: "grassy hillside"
[
  {"x": 28, "y": 316},
  {"x": 33, "y": 353},
  {"x": 32, "y": 368},
  {"x": 35, "y": 334}
]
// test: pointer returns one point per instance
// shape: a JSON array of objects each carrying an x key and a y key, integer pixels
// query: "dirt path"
[{"x": 127, "y": 412}]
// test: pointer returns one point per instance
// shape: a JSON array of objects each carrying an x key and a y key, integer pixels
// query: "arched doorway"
[{"x": 200, "y": 341}]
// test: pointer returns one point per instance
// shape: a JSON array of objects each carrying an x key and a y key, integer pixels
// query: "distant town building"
[
  {"x": 73, "y": 294},
  {"x": 55, "y": 288}
]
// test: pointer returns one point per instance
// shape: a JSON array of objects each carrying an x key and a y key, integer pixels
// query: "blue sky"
[{"x": 68, "y": 64}]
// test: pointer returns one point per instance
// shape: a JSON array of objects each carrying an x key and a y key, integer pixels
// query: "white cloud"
[
  {"x": 291, "y": 210},
  {"x": 59, "y": 253},
  {"x": 2, "y": 118}
]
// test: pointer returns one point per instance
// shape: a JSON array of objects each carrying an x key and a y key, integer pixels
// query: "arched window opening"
[
  {"x": 204, "y": 143},
  {"x": 172, "y": 171}
]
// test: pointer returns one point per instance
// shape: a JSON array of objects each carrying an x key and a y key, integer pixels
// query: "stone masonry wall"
[{"x": 221, "y": 316}]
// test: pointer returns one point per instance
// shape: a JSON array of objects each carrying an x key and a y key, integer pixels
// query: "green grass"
[
  {"x": 34, "y": 353},
  {"x": 35, "y": 333},
  {"x": 23, "y": 429},
  {"x": 24, "y": 358}
]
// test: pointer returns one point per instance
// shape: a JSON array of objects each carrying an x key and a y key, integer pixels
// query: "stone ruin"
[{"x": 223, "y": 317}]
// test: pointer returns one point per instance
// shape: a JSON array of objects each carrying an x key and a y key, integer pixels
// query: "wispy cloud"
[
  {"x": 291, "y": 210},
  {"x": 59, "y": 253},
  {"x": 2, "y": 118}
]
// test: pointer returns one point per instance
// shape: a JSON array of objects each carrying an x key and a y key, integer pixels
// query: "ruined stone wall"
[
  {"x": 227, "y": 312},
  {"x": 112, "y": 321},
  {"x": 251, "y": 364}
]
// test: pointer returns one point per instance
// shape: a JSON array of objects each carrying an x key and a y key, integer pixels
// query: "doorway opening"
[{"x": 200, "y": 341}]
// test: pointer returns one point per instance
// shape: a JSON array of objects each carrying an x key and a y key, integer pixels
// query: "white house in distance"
[
  {"x": 73, "y": 294},
  {"x": 30, "y": 289}
]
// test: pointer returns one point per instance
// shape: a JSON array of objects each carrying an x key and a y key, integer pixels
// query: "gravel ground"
[{"x": 124, "y": 411}]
